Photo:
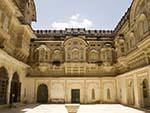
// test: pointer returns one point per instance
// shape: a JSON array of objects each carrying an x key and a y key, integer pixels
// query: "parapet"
[{"x": 74, "y": 32}]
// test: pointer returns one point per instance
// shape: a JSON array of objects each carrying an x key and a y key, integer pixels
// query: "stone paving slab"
[
  {"x": 52, "y": 108},
  {"x": 104, "y": 108}
]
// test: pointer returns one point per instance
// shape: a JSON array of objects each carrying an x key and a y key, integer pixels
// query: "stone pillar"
[
  {"x": 66, "y": 91},
  {"x": 101, "y": 91},
  {"x": 8, "y": 91},
  {"x": 85, "y": 92},
  {"x": 22, "y": 91},
  {"x": 49, "y": 91},
  {"x": 136, "y": 91},
  {"x": 141, "y": 99}
]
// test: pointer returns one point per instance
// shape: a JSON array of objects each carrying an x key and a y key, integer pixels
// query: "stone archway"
[
  {"x": 42, "y": 94},
  {"x": 15, "y": 90},
  {"x": 3, "y": 85},
  {"x": 145, "y": 92}
]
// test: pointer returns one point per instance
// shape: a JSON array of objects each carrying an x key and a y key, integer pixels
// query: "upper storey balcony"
[
  {"x": 71, "y": 70},
  {"x": 72, "y": 56},
  {"x": 72, "y": 49}
]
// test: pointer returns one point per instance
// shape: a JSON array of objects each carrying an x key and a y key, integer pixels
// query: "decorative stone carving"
[
  {"x": 147, "y": 7},
  {"x": 27, "y": 8},
  {"x": 72, "y": 108},
  {"x": 107, "y": 55}
]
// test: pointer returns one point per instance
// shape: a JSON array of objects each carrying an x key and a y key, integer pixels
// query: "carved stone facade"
[
  {"x": 74, "y": 65},
  {"x": 72, "y": 54},
  {"x": 14, "y": 50}
]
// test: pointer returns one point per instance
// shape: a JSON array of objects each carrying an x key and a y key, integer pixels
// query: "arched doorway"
[
  {"x": 93, "y": 94},
  {"x": 15, "y": 89},
  {"x": 145, "y": 90},
  {"x": 108, "y": 94},
  {"x": 3, "y": 85},
  {"x": 42, "y": 94}
]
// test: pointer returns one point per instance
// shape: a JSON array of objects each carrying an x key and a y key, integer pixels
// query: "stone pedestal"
[{"x": 72, "y": 108}]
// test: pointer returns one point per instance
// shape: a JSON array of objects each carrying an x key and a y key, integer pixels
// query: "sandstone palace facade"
[{"x": 74, "y": 65}]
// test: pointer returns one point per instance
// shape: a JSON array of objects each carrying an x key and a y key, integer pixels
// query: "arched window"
[
  {"x": 42, "y": 53},
  {"x": 15, "y": 88},
  {"x": 94, "y": 55},
  {"x": 82, "y": 55},
  {"x": 36, "y": 55},
  {"x": 46, "y": 55},
  {"x": 68, "y": 55},
  {"x": 57, "y": 55},
  {"x": 132, "y": 39},
  {"x": 140, "y": 29},
  {"x": 75, "y": 54},
  {"x": 75, "y": 49},
  {"x": 142, "y": 26},
  {"x": 93, "y": 94},
  {"x": 56, "y": 60},
  {"x": 109, "y": 55},
  {"x": 145, "y": 89},
  {"x": 3, "y": 85},
  {"x": 145, "y": 25},
  {"x": 103, "y": 56},
  {"x": 108, "y": 94}
]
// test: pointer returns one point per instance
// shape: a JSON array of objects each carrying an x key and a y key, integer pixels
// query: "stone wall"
[
  {"x": 60, "y": 89},
  {"x": 12, "y": 65},
  {"x": 130, "y": 87}
]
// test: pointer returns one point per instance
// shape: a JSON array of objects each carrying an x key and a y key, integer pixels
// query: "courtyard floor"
[{"x": 52, "y": 108}]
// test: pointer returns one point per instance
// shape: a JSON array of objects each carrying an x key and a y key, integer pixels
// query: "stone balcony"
[{"x": 65, "y": 71}]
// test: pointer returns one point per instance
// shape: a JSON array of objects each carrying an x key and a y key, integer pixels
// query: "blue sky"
[{"x": 89, "y": 14}]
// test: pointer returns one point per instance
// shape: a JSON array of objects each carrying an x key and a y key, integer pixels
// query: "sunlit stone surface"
[
  {"x": 75, "y": 65},
  {"x": 51, "y": 108}
]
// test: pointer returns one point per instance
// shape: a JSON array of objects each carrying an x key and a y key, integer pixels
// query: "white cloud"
[
  {"x": 75, "y": 17},
  {"x": 75, "y": 21}
]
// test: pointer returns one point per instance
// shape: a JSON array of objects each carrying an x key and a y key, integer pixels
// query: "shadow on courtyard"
[{"x": 23, "y": 109}]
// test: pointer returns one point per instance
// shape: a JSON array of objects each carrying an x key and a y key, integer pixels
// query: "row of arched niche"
[
  {"x": 74, "y": 49},
  {"x": 42, "y": 94}
]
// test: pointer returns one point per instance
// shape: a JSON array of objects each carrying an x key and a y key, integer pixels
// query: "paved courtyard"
[{"x": 51, "y": 108}]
